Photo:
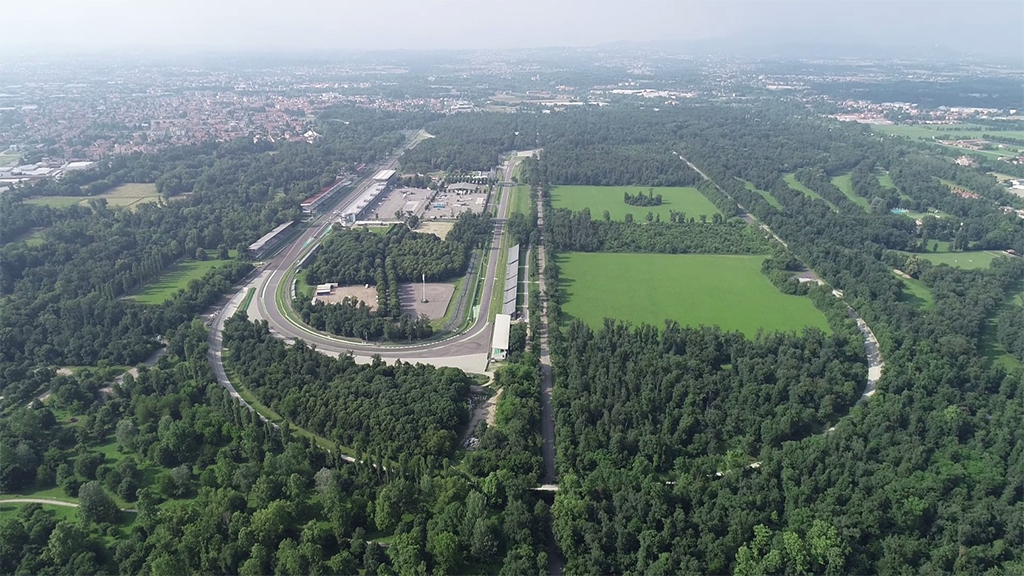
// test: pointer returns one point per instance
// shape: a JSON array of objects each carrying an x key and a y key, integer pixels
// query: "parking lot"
[
  {"x": 448, "y": 205},
  {"x": 405, "y": 200}
]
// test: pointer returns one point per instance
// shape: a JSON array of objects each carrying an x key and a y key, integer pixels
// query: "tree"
[
  {"x": 200, "y": 253},
  {"x": 484, "y": 542},
  {"x": 444, "y": 547},
  {"x": 94, "y": 505}
]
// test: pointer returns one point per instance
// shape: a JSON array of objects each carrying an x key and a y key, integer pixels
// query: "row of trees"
[{"x": 576, "y": 231}]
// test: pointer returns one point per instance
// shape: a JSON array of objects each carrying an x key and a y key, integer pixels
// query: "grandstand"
[
  {"x": 269, "y": 241},
  {"x": 508, "y": 305}
]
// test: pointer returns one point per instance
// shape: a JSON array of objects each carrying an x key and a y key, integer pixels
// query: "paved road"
[
  {"x": 547, "y": 420},
  {"x": 468, "y": 350},
  {"x": 474, "y": 341}
]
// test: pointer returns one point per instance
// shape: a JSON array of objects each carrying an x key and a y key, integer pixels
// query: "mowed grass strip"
[
  {"x": 693, "y": 289},
  {"x": 764, "y": 193},
  {"x": 175, "y": 278},
  {"x": 795, "y": 184},
  {"x": 600, "y": 198},
  {"x": 845, "y": 185}
]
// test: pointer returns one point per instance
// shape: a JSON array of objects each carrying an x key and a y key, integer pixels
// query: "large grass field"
[
  {"x": 929, "y": 133},
  {"x": 125, "y": 195},
  {"x": 845, "y": 185},
  {"x": 795, "y": 184},
  {"x": 601, "y": 198},
  {"x": 175, "y": 278},
  {"x": 693, "y": 289},
  {"x": 969, "y": 260}
]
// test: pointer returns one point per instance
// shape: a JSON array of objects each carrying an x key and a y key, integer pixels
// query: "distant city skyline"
[{"x": 77, "y": 27}]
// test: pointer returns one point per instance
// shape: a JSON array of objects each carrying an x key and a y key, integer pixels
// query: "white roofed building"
[{"x": 499, "y": 341}]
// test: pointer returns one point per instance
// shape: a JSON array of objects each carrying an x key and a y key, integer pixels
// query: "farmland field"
[
  {"x": 693, "y": 289},
  {"x": 962, "y": 132},
  {"x": 601, "y": 198},
  {"x": 845, "y": 186},
  {"x": 175, "y": 278},
  {"x": 125, "y": 195}
]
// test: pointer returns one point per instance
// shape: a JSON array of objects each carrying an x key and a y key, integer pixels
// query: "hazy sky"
[{"x": 186, "y": 25}]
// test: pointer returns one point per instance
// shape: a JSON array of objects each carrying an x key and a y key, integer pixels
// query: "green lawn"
[
  {"x": 962, "y": 132},
  {"x": 916, "y": 292},
  {"x": 969, "y": 260},
  {"x": 55, "y": 201},
  {"x": 521, "y": 199},
  {"x": 175, "y": 278},
  {"x": 989, "y": 343},
  {"x": 125, "y": 195},
  {"x": 60, "y": 512},
  {"x": 885, "y": 181},
  {"x": 764, "y": 193},
  {"x": 601, "y": 198},
  {"x": 795, "y": 184},
  {"x": 845, "y": 186},
  {"x": 693, "y": 289}
]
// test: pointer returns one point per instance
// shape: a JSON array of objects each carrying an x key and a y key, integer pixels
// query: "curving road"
[{"x": 467, "y": 350}]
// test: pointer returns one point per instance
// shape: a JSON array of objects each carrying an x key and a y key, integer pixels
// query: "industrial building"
[
  {"x": 269, "y": 241},
  {"x": 499, "y": 342}
]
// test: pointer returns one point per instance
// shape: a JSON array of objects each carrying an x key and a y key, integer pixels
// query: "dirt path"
[{"x": 50, "y": 502}]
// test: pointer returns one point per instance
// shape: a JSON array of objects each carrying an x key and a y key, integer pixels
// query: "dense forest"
[
  {"x": 817, "y": 503},
  {"x": 210, "y": 487},
  {"x": 680, "y": 450}
]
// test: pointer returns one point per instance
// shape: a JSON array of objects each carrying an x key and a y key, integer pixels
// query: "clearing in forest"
[
  {"x": 175, "y": 278},
  {"x": 915, "y": 292},
  {"x": 126, "y": 195},
  {"x": 795, "y": 184},
  {"x": 693, "y": 289},
  {"x": 968, "y": 260},
  {"x": 600, "y": 198},
  {"x": 845, "y": 185},
  {"x": 437, "y": 228},
  {"x": 764, "y": 193}
]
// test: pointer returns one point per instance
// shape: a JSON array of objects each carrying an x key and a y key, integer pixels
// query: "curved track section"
[{"x": 467, "y": 350}]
